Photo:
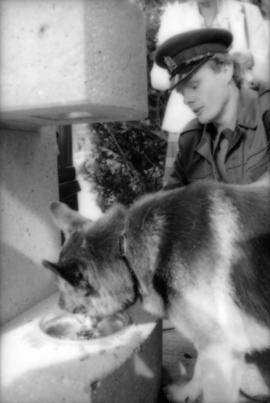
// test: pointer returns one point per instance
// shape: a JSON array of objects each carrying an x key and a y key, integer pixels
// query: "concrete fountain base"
[{"x": 124, "y": 367}]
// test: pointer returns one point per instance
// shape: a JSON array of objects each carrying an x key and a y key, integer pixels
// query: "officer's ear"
[{"x": 228, "y": 71}]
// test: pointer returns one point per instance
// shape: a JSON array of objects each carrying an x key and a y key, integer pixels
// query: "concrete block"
[{"x": 66, "y": 61}]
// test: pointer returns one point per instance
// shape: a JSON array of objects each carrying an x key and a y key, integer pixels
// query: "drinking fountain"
[{"x": 44, "y": 360}]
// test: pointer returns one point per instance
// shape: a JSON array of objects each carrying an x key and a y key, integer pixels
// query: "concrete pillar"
[{"x": 28, "y": 174}]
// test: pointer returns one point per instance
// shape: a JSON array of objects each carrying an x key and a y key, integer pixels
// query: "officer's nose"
[{"x": 61, "y": 302}]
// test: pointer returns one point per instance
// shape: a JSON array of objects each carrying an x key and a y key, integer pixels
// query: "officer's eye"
[
  {"x": 180, "y": 89},
  {"x": 194, "y": 85}
]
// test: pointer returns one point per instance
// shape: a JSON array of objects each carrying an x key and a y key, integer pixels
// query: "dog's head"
[{"x": 92, "y": 276}]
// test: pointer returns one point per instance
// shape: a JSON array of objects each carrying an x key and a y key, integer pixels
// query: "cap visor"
[{"x": 184, "y": 77}]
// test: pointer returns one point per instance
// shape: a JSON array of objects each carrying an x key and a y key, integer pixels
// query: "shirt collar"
[
  {"x": 204, "y": 146},
  {"x": 247, "y": 117}
]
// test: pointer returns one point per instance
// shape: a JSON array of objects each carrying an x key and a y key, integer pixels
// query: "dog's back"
[{"x": 204, "y": 232}]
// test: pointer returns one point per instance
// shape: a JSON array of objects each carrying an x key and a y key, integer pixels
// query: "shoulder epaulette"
[
  {"x": 193, "y": 126},
  {"x": 264, "y": 101}
]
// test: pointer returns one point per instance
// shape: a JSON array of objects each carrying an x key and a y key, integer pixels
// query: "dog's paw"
[{"x": 187, "y": 392}]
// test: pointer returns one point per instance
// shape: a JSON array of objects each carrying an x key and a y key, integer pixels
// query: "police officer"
[{"x": 229, "y": 138}]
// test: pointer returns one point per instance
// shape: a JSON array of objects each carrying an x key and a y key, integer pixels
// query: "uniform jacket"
[{"x": 248, "y": 154}]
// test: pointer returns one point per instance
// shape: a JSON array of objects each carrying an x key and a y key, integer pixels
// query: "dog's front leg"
[
  {"x": 221, "y": 371},
  {"x": 217, "y": 376},
  {"x": 188, "y": 391}
]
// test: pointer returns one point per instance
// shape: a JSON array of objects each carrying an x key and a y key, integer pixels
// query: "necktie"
[{"x": 225, "y": 137}]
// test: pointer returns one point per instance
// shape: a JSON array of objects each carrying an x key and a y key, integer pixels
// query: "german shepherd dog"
[{"x": 199, "y": 255}]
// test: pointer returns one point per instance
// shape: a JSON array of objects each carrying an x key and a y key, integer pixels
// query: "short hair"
[{"x": 240, "y": 62}]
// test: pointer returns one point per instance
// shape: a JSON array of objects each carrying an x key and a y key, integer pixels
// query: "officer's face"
[{"x": 207, "y": 93}]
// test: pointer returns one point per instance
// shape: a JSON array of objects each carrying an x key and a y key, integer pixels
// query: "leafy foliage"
[
  {"x": 130, "y": 156},
  {"x": 129, "y": 162}
]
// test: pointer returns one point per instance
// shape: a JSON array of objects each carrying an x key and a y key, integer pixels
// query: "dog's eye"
[
  {"x": 90, "y": 291},
  {"x": 71, "y": 272}
]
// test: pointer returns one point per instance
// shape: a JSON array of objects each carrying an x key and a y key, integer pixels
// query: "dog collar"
[{"x": 122, "y": 245}]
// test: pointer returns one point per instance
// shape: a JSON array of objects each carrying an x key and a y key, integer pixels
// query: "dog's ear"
[
  {"x": 66, "y": 219},
  {"x": 52, "y": 267},
  {"x": 58, "y": 270},
  {"x": 72, "y": 276}
]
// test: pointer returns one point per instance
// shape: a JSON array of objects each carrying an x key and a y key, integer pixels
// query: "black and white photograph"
[{"x": 135, "y": 201}]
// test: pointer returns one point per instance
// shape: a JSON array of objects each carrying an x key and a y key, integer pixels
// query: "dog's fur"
[{"x": 199, "y": 255}]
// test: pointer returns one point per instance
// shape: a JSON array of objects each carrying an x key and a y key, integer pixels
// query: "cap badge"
[{"x": 170, "y": 63}]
